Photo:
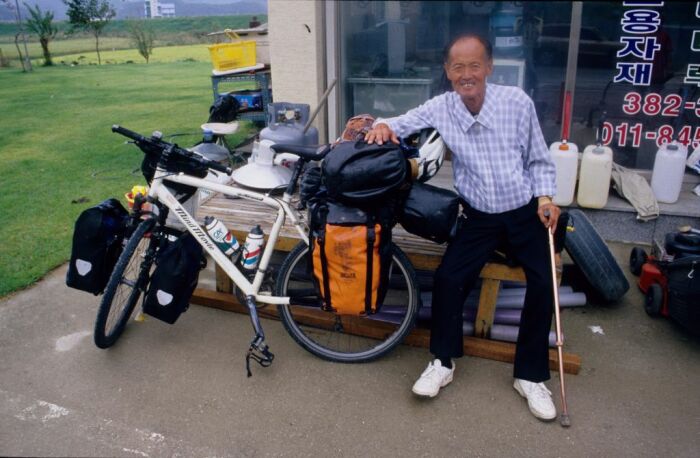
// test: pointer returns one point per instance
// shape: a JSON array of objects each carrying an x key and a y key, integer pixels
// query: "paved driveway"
[{"x": 182, "y": 390}]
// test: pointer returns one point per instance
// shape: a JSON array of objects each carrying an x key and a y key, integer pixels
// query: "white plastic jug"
[
  {"x": 565, "y": 156},
  {"x": 667, "y": 176},
  {"x": 594, "y": 180}
]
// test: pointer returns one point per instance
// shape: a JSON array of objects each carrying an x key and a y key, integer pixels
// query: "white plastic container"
[
  {"x": 594, "y": 178},
  {"x": 565, "y": 156},
  {"x": 667, "y": 176}
]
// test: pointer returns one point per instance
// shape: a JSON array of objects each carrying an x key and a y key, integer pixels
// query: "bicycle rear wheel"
[
  {"x": 342, "y": 338},
  {"x": 128, "y": 280}
]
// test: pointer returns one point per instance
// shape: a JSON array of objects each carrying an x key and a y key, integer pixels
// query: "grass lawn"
[
  {"x": 168, "y": 32},
  {"x": 198, "y": 53},
  {"x": 56, "y": 147}
]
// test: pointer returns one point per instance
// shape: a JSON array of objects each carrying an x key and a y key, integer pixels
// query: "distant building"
[{"x": 154, "y": 8}]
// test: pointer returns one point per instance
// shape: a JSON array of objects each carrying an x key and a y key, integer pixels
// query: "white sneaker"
[
  {"x": 434, "y": 377},
  {"x": 539, "y": 398}
]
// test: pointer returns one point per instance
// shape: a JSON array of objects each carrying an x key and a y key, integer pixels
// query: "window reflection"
[{"x": 391, "y": 52}]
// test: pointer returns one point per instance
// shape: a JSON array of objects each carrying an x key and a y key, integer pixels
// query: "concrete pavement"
[{"x": 182, "y": 390}]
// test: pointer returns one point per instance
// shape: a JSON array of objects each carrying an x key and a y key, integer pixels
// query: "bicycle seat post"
[{"x": 292, "y": 186}]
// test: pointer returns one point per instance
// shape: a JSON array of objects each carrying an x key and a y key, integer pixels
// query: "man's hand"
[
  {"x": 381, "y": 133},
  {"x": 548, "y": 213}
]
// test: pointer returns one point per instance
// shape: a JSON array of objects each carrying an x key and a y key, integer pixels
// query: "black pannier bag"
[
  {"x": 359, "y": 174},
  {"x": 97, "y": 244},
  {"x": 174, "y": 279},
  {"x": 430, "y": 212},
  {"x": 350, "y": 257}
]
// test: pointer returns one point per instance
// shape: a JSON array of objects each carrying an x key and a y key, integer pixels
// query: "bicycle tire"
[
  {"x": 323, "y": 333},
  {"x": 130, "y": 276}
]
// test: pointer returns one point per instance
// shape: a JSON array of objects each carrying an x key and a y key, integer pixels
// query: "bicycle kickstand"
[{"x": 258, "y": 350}]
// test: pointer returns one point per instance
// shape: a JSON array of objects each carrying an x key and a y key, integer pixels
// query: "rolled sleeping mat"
[
  {"x": 504, "y": 316},
  {"x": 517, "y": 302},
  {"x": 505, "y": 333},
  {"x": 567, "y": 298}
]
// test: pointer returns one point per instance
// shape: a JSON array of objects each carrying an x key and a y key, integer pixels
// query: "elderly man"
[{"x": 506, "y": 178}]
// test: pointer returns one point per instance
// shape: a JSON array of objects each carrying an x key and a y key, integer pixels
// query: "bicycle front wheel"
[
  {"x": 129, "y": 279},
  {"x": 344, "y": 338}
]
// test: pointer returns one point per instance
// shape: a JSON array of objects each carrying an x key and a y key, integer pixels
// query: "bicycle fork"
[{"x": 258, "y": 350}]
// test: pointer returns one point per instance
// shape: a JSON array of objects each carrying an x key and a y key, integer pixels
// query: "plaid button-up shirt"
[{"x": 499, "y": 157}]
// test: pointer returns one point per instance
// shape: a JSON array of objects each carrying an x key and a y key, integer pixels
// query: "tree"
[
  {"x": 24, "y": 59},
  {"x": 41, "y": 23},
  {"x": 91, "y": 16},
  {"x": 143, "y": 37}
]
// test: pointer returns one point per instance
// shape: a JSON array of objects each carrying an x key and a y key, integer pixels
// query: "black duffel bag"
[
  {"x": 430, "y": 212},
  {"x": 359, "y": 174},
  {"x": 174, "y": 279},
  {"x": 97, "y": 244}
]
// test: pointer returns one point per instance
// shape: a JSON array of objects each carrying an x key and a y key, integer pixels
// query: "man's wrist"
[{"x": 543, "y": 200}]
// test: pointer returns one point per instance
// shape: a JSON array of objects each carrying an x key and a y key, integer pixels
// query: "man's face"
[{"x": 467, "y": 68}]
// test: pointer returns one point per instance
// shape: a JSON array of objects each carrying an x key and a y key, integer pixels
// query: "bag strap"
[
  {"x": 321, "y": 240},
  {"x": 371, "y": 236}
]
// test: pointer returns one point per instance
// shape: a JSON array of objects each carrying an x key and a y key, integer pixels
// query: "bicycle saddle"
[{"x": 308, "y": 153}]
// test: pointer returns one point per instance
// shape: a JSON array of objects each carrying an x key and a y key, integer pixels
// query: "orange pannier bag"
[{"x": 349, "y": 250}]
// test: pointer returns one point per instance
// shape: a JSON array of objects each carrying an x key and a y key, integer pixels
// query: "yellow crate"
[{"x": 229, "y": 56}]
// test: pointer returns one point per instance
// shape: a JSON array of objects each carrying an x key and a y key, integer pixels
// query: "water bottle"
[
  {"x": 223, "y": 238},
  {"x": 252, "y": 248}
]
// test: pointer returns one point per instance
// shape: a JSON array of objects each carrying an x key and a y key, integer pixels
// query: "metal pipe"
[{"x": 321, "y": 102}]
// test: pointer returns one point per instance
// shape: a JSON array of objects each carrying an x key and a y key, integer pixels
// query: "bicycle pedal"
[{"x": 263, "y": 357}]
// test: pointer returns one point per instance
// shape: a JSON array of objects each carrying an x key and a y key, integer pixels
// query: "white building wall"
[{"x": 297, "y": 54}]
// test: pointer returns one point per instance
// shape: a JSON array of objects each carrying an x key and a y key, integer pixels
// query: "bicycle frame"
[{"x": 159, "y": 191}]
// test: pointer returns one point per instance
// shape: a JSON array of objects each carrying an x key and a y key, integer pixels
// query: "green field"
[
  {"x": 56, "y": 148},
  {"x": 168, "y": 32}
]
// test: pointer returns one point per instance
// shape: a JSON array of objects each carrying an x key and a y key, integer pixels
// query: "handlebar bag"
[
  {"x": 176, "y": 164},
  {"x": 350, "y": 255},
  {"x": 430, "y": 212},
  {"x": 97, "y": 244},
  {"x": 359, "y": 174},
  {"x": 174, "y": 279}
]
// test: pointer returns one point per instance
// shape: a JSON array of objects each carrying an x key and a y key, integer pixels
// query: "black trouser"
[{"x": 476, "y": 239}]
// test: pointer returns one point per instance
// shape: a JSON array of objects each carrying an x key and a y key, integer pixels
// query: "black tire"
[
  {"x": 128, "y": 280},
  {"x": 327, "y": 337},
  {"x": 637, "y": 259},
  {"x": 653, "y": 300},
  {"x": 592, "y": 256}
]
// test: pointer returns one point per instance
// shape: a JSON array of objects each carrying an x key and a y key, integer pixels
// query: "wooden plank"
[
  {"x": 223, "y": 283},
  {"x": 487, "y": 307},
  {"x": 420, "y": 337}
]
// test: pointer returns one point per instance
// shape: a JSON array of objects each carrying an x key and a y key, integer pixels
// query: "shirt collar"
[{"x": 485, "y": 117}]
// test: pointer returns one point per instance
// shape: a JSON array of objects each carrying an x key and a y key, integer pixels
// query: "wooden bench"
[{"x": 240, "y": 215}]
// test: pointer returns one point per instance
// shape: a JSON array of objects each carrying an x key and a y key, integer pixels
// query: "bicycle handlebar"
[{"x": 161, "y": 145}]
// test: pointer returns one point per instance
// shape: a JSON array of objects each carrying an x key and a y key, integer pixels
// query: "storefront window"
[
  {"x": 391, "y": 52},
  {"x": 636, "y": 61}
]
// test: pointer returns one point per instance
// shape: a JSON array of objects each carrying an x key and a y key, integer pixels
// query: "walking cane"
[{"x": 564, "y": 419}]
